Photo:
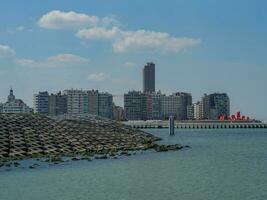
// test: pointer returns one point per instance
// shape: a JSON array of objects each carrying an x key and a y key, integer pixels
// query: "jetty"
[
  {"x": 196, "y": 124},
  {"x": 28, "y": 135},
  {"x": 24, "y": 136}
]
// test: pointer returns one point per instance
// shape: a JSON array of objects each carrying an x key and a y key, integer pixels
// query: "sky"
[{"x": 198, "y": 47}]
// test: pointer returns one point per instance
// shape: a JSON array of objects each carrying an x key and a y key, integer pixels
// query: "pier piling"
[{"x": 171, "y": 125}]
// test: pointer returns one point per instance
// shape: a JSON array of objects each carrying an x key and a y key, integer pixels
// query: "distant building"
[
  {"x": 61, "y": 104},
  {"x": 74, "y": 102},
  {"x": 153, "y": 106},
  {"x": 142, "y": 106},
  {"x": 170, "y": 106},
  {"x": 14, "y": 105},
  {"x": 190, "y": 112},
  {"x": 198, "y": 111},
  {"x": 205, "y": 101},
  {"x": 93, "y": 96},
  {"x": 149, "y": 78},
  {"x": 135, "y": 106},
  {"x": 185, "y": 100},
  {"x": 105, "y": 105},
  {"x": 175, "y": 105},
  {"x": 215, "y": 105},
  {"x": 149, "y": 105},
  {"x": 118, "y": 113},
  {"x": 57, "y": 104},
  {"x": 77, "y": 102},
  {"x": 156, "y": 106},
  {"x": 50, "y": 104},
  {"x": 40, "y": 103}
]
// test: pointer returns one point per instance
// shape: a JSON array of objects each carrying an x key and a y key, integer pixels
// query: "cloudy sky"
[{"x": 198, "y": 47}]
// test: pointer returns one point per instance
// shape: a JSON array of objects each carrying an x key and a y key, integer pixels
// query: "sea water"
[{"x": 220, "y": 165}]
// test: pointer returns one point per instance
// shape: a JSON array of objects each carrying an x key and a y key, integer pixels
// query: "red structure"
[
  {"x": 222, "y": 118},
  {"x": 236, "y": 117}
]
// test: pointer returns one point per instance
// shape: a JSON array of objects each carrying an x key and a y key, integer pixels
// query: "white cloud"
[
  {"x": 97, "y": 77},
  {"x": 57, "y": 19},
  {"x": 60, "y": 60},
  {"x": 20, "y": 28},
  {"x": 26, "y": 62},
  {"x": 6, "y": 51},
  {"x": 95, "y": 28},
  {"x": 38, "y": 63},
  {"x": 67, "y": 58},
  {"x": 130, "y": 64},
  {"x": 109, "y": 21},
  {"x": 123, "y": 41},
  {"x": 23, "y": 28},
  {"x": 99, "y": 33},
  {"x": 149, "y": 40}
]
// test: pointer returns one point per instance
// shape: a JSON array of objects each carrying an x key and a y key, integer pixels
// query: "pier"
[{"x": 196, "y": 125}]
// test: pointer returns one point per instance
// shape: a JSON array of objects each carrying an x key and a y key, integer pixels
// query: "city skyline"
[{"x": 104, "y": 49}]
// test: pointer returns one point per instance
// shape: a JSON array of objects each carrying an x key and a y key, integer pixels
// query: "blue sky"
[{"x": 198, "y": 46}]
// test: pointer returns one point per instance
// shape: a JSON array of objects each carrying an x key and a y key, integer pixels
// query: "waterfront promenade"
[{"x": 196, "y": 124}]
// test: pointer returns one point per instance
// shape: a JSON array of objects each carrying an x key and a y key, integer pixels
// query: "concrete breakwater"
[
  {"x": 25, "y": 136},
  {"x": 195, "y": 125}
]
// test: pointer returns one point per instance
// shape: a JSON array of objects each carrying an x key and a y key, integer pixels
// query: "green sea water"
[{"x": 220, "y": 165}]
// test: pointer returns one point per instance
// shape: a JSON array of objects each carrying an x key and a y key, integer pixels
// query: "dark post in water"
[{"x": 171, "y": 125}]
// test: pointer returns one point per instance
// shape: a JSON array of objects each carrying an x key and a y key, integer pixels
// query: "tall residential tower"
[{"x": 149, "y": 78}]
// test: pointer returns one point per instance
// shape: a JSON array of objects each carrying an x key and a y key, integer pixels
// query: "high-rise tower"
[{"x": 149, "y": 78}]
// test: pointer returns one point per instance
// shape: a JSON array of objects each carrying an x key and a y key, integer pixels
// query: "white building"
[
  {"x": 77, "y": 102},
  {"x": 198, "y": 111},
  {"x": 81, "y": 102},
  {"x": 14, "y": 105}
]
